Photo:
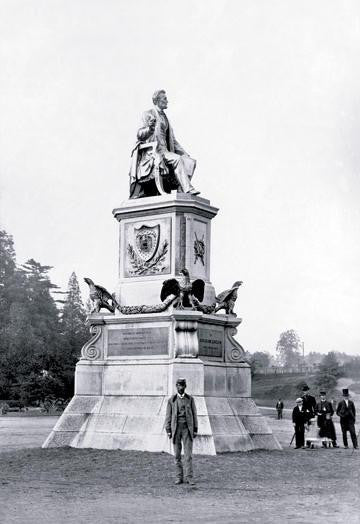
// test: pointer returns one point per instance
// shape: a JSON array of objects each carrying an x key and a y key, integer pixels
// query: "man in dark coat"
[
  {"x": 181, "y": 425},
  {"x": 325, "y": 411},
  {"x": 279, "y": 408},
  {"x": 300, "y": 418},
  {"x": 347, "y": 413},
  {"x": 309, "y": 402}
]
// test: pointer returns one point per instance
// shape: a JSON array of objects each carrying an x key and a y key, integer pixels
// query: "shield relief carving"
[{"x": 147, "y": 248}]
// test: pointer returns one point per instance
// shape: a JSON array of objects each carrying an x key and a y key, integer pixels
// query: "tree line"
[
  {"x": 326, "y": 369},
  {"x": 40, "y": 336}
]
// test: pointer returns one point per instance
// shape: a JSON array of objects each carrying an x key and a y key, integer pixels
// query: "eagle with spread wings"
[{"x": 183, "y": 290}]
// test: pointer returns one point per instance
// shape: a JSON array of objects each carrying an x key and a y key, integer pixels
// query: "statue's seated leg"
[{"x": 183, "y": 167}]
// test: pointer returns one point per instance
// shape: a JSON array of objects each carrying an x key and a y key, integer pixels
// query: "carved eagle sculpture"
[
  {"x": 226, "y": 299},
  {"x": 184, "y": 290},
  {"x": 100, "y": 297}
]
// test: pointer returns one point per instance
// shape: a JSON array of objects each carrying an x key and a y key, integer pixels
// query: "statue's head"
[{"x": 160, "y": 99}]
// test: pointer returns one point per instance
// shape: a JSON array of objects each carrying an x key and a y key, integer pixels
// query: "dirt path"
[
  {"x": 92, "y": 486},
  {"x": 24, "y": 432},
  {"x": 96, "y": 486}
]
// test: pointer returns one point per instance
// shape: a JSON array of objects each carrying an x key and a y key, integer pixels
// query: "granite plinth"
[{"x": 122, "y": 386}]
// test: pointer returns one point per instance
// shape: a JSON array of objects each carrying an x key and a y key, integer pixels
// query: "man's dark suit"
[
  {"x": 347, "y": 414},
  {"x": 300, "y": 418},
  {"x": 279, "y": 408},
  {"x": 309, "y": 404},
  {"x": 182, "y": 431}
]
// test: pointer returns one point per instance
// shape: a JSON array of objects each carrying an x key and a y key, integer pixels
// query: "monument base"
[{"x": 121, "y": 389}]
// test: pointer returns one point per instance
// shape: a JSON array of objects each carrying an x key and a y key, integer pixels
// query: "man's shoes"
[
  {"x": 178, "y": 481},
  {"x": 346, "y": 447},
  {"x": 194, "y": 192},
  {"x": 335, "y": 446},
  {"x": 191, "y": 482},
  {"x": 356, "y": 447}
]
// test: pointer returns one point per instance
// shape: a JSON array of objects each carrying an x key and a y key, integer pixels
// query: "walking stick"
[
  {"x": 291, "y": 441},
  {"x": 358, "y": 436}
]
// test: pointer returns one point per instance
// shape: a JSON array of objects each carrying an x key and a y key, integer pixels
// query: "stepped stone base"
[{"x": 133, "y": 419}]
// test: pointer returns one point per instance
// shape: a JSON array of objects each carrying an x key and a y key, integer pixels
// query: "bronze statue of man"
[{"x": 166, "y": 157}]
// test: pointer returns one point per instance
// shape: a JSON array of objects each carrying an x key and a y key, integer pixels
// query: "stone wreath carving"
[
  {"x": 137, "y": 310},
  {"x": 89, "y": 351},
  {"x": 204, "y": 308},
  {"x": 150, "y": 267}
]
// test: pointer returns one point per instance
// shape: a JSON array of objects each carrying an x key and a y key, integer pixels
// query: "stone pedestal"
[
  {"x": 129, "y": 367},
  {"x": 159, "y": 236}
]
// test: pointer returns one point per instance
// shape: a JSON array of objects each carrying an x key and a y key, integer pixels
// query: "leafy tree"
[
  {"x": 30, "y": 330},
  {"x": 288, "y": 348},
  {"x": 259, "y": 360},
  {"x": 313, "y": 358},
  {"x": 352, "y": 367},
  {"x": 328, "y": 372}
]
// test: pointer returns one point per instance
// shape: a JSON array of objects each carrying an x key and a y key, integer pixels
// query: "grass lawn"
[
  {"x": 267, "y": 389},
  {"x": 95, "y": 486}
]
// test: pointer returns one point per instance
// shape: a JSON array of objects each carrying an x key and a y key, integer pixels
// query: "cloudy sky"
[{"x": 264, "y": 94}]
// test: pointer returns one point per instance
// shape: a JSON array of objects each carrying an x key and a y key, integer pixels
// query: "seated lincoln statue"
[{"x": 159, "y": 163}]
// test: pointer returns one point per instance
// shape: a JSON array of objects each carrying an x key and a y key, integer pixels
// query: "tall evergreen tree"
[
  {"x": 74, "y": 332},
  {"x": 7, "y": 271}
]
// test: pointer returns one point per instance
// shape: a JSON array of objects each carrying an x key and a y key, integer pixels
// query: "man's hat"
[
  {"x": 298, "y": 400},
  {"x": 345, "y": 392},
  {"x": 323, "y": 393},
  {"x": 181, "y": 381},
  {"x": 305, "y": 388}
]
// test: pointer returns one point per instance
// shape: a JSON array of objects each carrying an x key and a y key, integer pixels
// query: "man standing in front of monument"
[
  {"x": 181, "y": 425},
  {"x": 169, "y": 153},
  {"x": 346, "y": 411},
  {"x": 300, "y": 418}
]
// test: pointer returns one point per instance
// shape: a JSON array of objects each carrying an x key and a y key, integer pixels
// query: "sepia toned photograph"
[{"x": 179, "y": 261}]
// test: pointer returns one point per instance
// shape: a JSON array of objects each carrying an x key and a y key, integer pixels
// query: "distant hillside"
[{"x": 267, "y": 389}]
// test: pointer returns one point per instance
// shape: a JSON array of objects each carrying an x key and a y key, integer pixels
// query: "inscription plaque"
[
  {"x": 211, "y": 342},
  {"x": 138, "y": 341}
]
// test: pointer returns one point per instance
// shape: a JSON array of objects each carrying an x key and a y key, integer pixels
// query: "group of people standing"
[{"x": 307, "y": 408}]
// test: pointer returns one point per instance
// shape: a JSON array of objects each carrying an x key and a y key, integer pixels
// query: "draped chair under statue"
[{"x": 147, "y": 174}]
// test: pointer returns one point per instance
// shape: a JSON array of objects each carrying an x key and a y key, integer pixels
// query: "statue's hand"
[{"x": 152, "y": 124}]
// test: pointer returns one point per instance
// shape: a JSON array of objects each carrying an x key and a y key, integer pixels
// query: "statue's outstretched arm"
[{"x": 148, "y": 126}]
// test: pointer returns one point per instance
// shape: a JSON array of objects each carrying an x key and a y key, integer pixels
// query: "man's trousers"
[
  {"x": 182, "y": 436},
  {"x": 299, "y": 435},
  {"x": 348, "y": 425}
]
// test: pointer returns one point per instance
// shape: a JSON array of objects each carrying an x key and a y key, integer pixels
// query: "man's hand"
[
  {"x": 152, "y": 124},
  {"x": 195, "y": 434},
  {"x": 169, "y": 435}
]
